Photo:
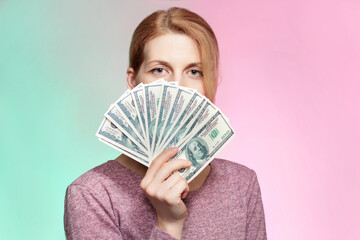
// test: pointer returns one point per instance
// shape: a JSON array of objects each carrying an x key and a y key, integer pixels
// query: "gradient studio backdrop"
[{"x": 290, "y": 86}]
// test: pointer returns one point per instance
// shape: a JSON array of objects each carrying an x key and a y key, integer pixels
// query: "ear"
[{"x": 130, "y": 78}]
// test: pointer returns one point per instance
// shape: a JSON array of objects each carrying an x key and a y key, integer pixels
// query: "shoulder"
[
  {"x": 227, "y": 169},
  {"x": 227, "y": 173},
  {"x": 108, "y": 175},
  {"x": 94, "y": 176},
  {"x": 103, "y": 187}
]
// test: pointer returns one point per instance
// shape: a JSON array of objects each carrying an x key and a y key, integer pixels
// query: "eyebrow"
[{"x": 196, "y": 64}]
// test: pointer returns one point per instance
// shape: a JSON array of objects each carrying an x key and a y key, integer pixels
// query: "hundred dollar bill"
[
  {"x": 115, "y": 116},
  {"x": 173, "y": 83},
  {"x": 192, "y": 108},
  {"x": 198, "y": 118},
  {"x": 181, "y": 101},
  {"x": 167, "y": 99},
  {"x": 161, "y": 80},
  {"x": 205, "y": 114},
  {"x": 152, "y": 94},
  {"x": 127, "y": 109},
  {"x": 139, "y": 100},
  {"x": 114, "y": 137},
  {"x": 204, "y": 144},
  {"x": 152, "y": 117},
  {"x": 142, "y": 161}
]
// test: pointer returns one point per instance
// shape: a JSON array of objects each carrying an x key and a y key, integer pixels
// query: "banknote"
[
  {"x": 167, "y": 100},
  {"x": 138, "y": 95},
  {"x": 152, "y": 94},
  {"x": 204, "y": 144},
  {"x": 198, "y": 118},
  {"x": 127, "y": 109},
  {"x": 115, "y": 116},
  {"x": 140, "y": 160},
  {"x": 153, "y": 117},
  {"x": 139, "y": 100},
  {"x": 112, "y": 135},
  {"x": 182, "y": 99}
]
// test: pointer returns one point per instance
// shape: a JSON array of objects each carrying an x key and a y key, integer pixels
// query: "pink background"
[{"x": 291, "y": 88}]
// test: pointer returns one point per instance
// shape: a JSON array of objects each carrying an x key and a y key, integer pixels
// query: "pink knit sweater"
[{"x": 107, "y": 203}]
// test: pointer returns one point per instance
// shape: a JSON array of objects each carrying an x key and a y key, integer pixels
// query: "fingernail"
[{"x": 183, "y": 195}]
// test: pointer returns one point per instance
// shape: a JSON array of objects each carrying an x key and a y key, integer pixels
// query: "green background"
[{"x": 61, "y": 65}]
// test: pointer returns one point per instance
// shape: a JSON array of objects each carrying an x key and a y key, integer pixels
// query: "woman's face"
[{"x": 172, "y": 56}]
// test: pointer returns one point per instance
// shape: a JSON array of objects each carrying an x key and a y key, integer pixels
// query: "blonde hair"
[{"x": 179, "y": 20}]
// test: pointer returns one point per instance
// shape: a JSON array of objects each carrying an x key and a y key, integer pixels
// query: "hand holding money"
[
  {"x": 165, "y": 189},
  {"x": 153, "y": 117}
]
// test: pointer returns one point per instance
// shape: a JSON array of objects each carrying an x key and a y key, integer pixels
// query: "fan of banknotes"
[{"x": 152, "y": 117}]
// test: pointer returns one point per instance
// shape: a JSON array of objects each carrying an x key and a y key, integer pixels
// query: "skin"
[{"x": 174, "y": 57}]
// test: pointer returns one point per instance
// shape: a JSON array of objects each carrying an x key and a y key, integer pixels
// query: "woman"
[{"x": 122, "y": 199}]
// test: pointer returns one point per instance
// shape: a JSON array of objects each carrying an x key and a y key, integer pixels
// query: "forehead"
[{"x": 172, "y": 47}]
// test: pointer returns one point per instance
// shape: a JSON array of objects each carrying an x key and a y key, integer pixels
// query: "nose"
[{"x": 175, "y": 77}]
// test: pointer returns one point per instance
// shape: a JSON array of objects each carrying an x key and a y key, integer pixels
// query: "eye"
[
  {"x": 195, "y": 72},
  {"x": 158, "y": 70}
]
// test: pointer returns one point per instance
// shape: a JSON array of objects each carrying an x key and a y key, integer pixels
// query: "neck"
[{"x": 140, "y": 169}]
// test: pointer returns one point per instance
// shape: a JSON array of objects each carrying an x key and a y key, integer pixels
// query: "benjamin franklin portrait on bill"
[{"x": 197, "y": 151}]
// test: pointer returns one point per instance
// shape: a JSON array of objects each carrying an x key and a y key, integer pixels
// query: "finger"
[
  {"x": 163, "y": 157},
  {"x": 168, "y": 168},
  {"x": 171, "y": 181},
  {"x": 177, "y": 191},
  {"x": 184, "y": 194},
  {"x": 174, "y": 179},
  {"x": 164, "y": 187}
]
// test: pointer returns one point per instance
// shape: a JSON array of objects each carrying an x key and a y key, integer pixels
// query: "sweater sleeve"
[
  {"x": 255, "y": 223},
  {"x": 159, "y": 234},
  {"x": 90, "y": 216}
]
